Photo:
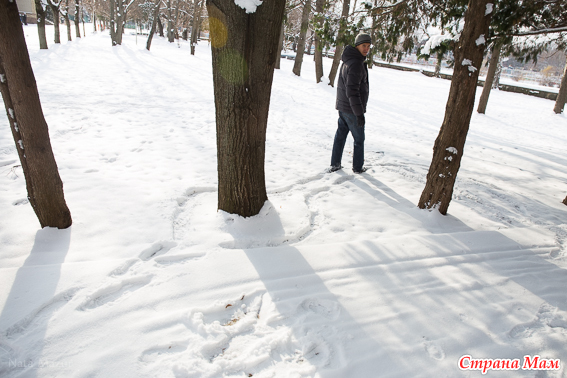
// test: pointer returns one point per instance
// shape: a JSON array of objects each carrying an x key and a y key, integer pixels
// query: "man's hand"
[{"x": 360, "y": 120}]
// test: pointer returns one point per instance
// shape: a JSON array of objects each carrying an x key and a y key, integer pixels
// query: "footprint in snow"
[
  {"x": 323, "y": 307},
  {"x": 113, "y": 292},
  {"x": 434, "y": 350}
]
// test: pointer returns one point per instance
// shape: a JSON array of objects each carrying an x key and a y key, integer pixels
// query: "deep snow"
[{"x": 340, "y": 275}]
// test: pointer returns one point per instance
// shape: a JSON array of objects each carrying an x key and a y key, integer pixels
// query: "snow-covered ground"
[{"x": 340, "y": 275}]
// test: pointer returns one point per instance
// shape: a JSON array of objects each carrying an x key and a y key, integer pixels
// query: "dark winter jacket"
[{"x": 352, "y": 89}]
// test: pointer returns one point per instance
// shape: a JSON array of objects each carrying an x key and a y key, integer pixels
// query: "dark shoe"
[
  {"x": 364, "y": 169},
  {"x": 334, "y": 168}
]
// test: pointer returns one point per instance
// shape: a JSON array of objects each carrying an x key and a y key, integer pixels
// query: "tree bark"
[
  {"x": 492, "y": 67},
  {"x": 40, "y": 24},
  {"x": 29, "y": 129},
  {"x": 562, "y": 95},
  {"x": 449, "y": 146},
  {"x": 340, "y": 46},
  {"x": 153, "y": 29},
  {"x": 244, "y": 48},
  {"x": 318, "y": 45},
  {"x": 56, "y": 29},
  {"x": 565, "y": 201},
  {"x": 302, "y": 34},
  {"x": 77, "y": 22}
]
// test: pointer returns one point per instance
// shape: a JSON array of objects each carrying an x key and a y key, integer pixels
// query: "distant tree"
[
  {"x": 67, "y": 22},
  {"x": 244, "y": 49},
  {"x": 340, "y": 42},
  {"x": 198, "y": 4},
  {"x": 29, "y": 129},
  {"x": 54, "y": 6},
  {"x": 490, "y": 75},
  {"x": 306, "y": 12},
  {"x": 41, "y": 14},
  {"x": 77, "y": 19},
  {"x": 154, "y": 20},
  {"x": 318, "y": 20},
  {"x": 449, "y": 146},
  {"x": 280, "y": 45},
  {"x": 562, "y": 95}
]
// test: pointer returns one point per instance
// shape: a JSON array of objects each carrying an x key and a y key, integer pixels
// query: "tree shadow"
[
  {"x": 332, "y": 340},
  {"x": 31, "y": 302}
]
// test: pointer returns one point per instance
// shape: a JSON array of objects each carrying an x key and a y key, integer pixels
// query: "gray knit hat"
[{"x": 362, "y": 38}]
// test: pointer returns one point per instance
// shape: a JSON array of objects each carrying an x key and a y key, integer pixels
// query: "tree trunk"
[
  {"x": 340, "y": 45},
  {"x": 77, "y": 22},
  {"x": 438, "y": 65},
  {"x": 29, "y": 129},
  {"x": 318, "y": 45},
  {"x": 170, "y": 36},
  {"x": 67, "y": 22},
  {"x": 497, "y": 74},
  {"x": 565, "y": 201},
  {"x": 153, "y": 29},
  {"x": 280, "y": 46},
  {"x": 244, "y": 48},
  {"x": 308, "y": 51},
  {"x": 562, "y": 95},
  {"x": 448, "y": 148},
  {"x": 492, "y": 67},
  {"x": 112, "y": 22},
  {"x": 195, "y": 24},
  {"x": 302, "y": 34},
  {"x": 94, "y": 22},
  {"x": 56, "y": 30},
  {"x": 120, "y": 18},
  {"x": 160, "y": 27},
  {"x": 40, "y": 24}
]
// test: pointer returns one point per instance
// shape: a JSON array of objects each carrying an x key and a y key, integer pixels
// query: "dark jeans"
[{"x": 347, "y": 122}]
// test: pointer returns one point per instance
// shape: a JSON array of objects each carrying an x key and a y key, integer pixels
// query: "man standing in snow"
[{"x": 352, "y": 97}]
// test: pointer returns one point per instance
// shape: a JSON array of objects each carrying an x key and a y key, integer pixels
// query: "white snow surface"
[
  {"x": 249, "y": 6},
  {"x": 340, "y": 275}
]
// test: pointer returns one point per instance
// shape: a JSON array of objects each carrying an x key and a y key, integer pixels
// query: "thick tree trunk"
[
  {"x": 244, "y": 48},
  {"x": 94, "y": 22},
  {"x": 492, "y": 68},
  {"x": 302, "y": 34},
  {"x": 77, "y": 21},
  {"x": 40, "y": 24},
  {"x": 562, "y": 95},
  {"x": 154, "y": 22},
  {"x": 195, "y": 24},
  {"x": 56, "y": 29},
  {"x": 340, "y": 46},
  {"x": 29, "y": 129},
  {"x": 449, "y": 146},
  {"x": 318, "y": 45},
  {"x": 280, "y": 46}
]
